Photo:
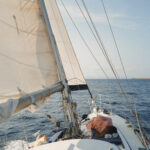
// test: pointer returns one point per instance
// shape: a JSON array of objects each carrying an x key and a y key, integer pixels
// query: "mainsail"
[{"x": 27, "y": 60}]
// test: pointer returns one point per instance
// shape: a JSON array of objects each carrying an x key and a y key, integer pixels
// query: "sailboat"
[{"x": 37, "y": 60}]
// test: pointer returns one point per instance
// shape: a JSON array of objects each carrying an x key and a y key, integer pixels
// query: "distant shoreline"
[
  {"x": 120, "y": 79},
  {"x": 142, "y": 78}
]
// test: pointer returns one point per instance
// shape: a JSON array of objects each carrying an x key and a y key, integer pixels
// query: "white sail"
[
  {"x": 27, "y": 62},
  {"x": 69, "y": 61}
]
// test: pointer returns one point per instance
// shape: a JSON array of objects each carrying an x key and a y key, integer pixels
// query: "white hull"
[
  {"x": 129, "y": 137},
  {"x": 77, "y": 144}
]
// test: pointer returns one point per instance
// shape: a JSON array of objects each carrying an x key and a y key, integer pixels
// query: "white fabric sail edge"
[
  {"x": 69, "y": 60},
  {"x": 27, "y": 61},
  {"x": 33, "y": 102}
]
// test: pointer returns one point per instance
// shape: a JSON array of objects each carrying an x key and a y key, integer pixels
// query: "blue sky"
[{"x": 130, "y": 20}]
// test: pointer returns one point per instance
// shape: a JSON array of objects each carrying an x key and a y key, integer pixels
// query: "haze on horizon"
[{"x": 130, "y": 21}]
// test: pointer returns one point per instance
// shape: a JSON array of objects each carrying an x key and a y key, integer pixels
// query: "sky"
[{"x": 130, "y": 21}]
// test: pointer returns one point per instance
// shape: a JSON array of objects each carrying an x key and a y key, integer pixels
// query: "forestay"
[{"x": 70, "y": 63}]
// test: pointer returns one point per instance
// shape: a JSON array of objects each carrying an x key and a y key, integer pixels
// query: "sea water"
[{"x": 21, "y": 128}]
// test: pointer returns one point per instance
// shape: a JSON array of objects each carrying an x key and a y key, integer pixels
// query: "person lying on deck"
[{"x": 103, "y": 125}]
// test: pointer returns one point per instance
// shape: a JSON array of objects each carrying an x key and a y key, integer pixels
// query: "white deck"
[
  {"x": 125, "y": 131},
  {"x": 78, "y": 144}
]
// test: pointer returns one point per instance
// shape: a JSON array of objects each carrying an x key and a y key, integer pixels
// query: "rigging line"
[
  {"x": 92, "y": 53},
  {"x": 116, "y": 46},
  {"x": 70, "y": 60},
  {"x": 84, "y": 41},
  {"x": 103, "y": 48},
  {"x": 90, "y": 27},
  {"x": 110, "y": 64},
  {"x": 115, "y": 41},
  {"x": 132, "y": 97},
  {"x": 88, "y": 49},
  {"x": 115, "y": 73},
  {"x": 100, "y": 46},
  {"x": 88, "y": 23},
  {"x": 97, "y": 34},
  {"x": 79, "y": 68},
  {"x": 108, "y": 60},
  {"x": 114, "y": 38},
  {"x": 140, "y": 128},
  {"x": 86, "y": 46},
  {"x": 105, "y": 54}
]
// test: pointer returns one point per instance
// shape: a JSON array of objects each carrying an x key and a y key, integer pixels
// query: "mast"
[{"x": 66, "y": 93}]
